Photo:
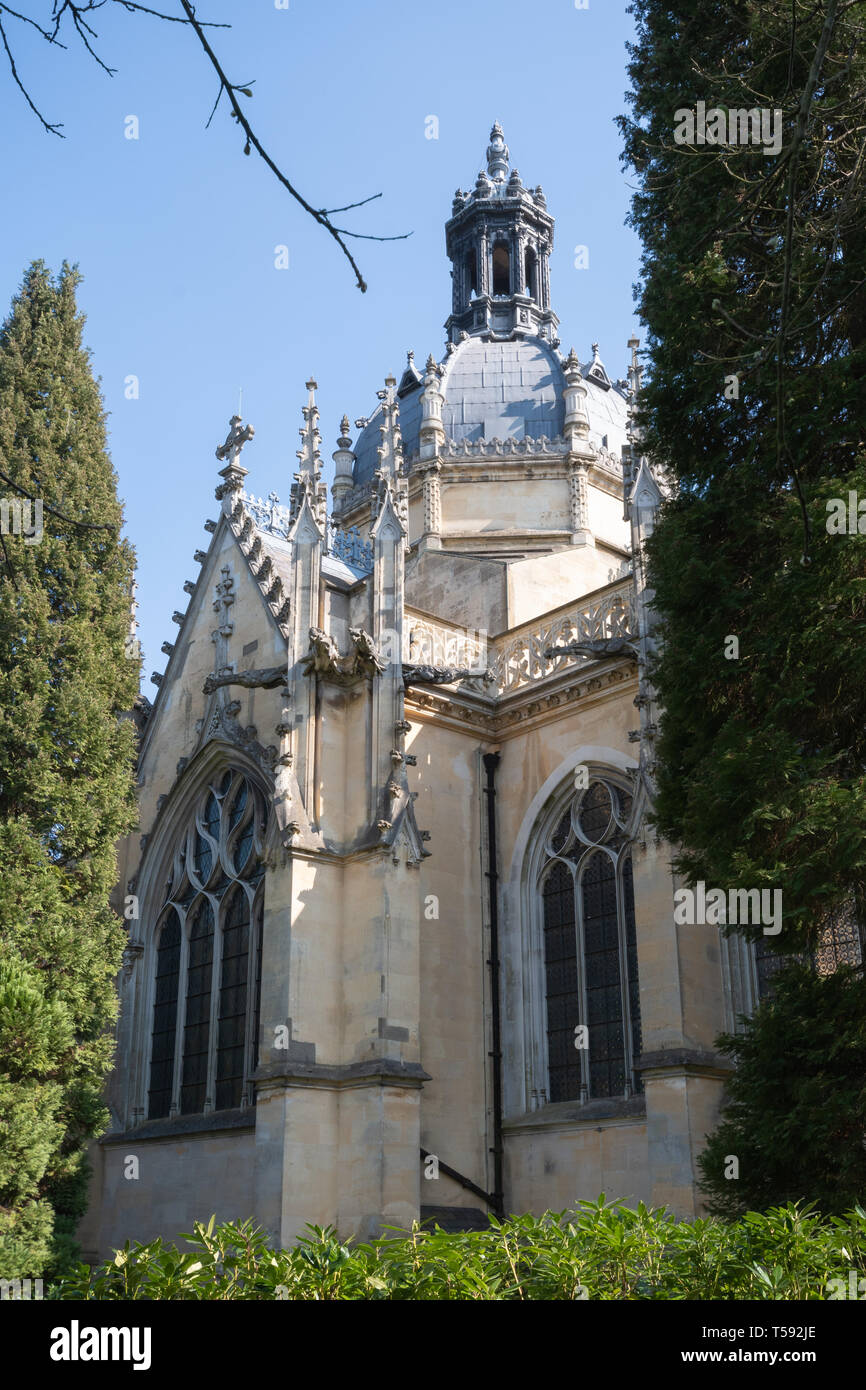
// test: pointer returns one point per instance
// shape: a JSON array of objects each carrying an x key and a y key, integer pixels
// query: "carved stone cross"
[{"x": 235, "y": 440}]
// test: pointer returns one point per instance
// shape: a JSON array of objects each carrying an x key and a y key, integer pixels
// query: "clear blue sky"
[{"x": 175, "y": 232}]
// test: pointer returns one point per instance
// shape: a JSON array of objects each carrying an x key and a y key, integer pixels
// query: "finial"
[
  {"x": 595, "y": 352},
  {"x": 235, "y": 440},
  {"x": 572, "y": 361},
  {"x": 344, "y": 425},
  {"x": 497, "y": 154}
]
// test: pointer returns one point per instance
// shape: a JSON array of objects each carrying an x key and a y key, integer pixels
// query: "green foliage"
[
  {"x": 795, "y": 1112},
  {"x": 66, "y": 792},
  {"x": 599, "y": 1250},
  {"x": 755, "y": 264}
]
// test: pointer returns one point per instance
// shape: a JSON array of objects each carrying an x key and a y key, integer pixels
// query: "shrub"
[{"x": 599, "y": 1250}]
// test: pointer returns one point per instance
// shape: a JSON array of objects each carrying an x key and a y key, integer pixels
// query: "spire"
[
  {"x": 392, "y": 486},
  {"x": 308, "y": 485},
  {"x": 497, "y": 154}
]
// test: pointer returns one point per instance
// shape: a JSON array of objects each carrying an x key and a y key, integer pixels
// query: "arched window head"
[
  {"x": 208, "y": 960},
  {"x": 501, "y": 269},
  {"x": 590, "y": 949}
]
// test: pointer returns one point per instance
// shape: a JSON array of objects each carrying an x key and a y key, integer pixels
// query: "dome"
[{"x": 497, "y": 389}]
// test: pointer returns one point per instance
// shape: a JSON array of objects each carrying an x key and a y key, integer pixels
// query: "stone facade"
[{"x": 366, "y": 764}]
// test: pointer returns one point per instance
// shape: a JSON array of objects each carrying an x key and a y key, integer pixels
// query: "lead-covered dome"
[{"x": 501, "y": 390}]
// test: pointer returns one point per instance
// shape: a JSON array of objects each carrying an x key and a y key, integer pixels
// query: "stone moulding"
[
  {"x": 172, "y": 1126},
  {"x": 681, "y": 1059},
  {"x": 382, "y": 1071},
  {"x": 524, "y": 708},
  {"x": 566, "y": 1114}
]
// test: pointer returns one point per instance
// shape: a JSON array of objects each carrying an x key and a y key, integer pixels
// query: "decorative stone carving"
[
  {"x": 441, "y": 675},
  {"x": 236, "y": 438},
  {"x": 324, "y": 659},
  {"x": 604, "y": 646},
  {"x": 266, "y": 678}
]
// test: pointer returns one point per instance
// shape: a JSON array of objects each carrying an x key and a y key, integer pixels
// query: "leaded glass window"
[
  {"x": 840, "y": 942},
  {"x": 165, "y": 1015},
  {"x": 207, "y": 981},
  {"x": 590, "y": 949}
]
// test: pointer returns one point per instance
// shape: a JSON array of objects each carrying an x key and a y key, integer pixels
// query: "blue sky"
[{"x": 175, "y": 233}]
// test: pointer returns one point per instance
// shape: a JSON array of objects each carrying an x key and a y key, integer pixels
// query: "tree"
[
  {"x": 76, "y": 16},
  {"x": 754, "y": 293},
  {"x": 66, "y": 755},
  {"x": 794, "y": 1118}
]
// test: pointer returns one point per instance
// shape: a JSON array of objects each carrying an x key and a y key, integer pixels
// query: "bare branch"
[
  {"x": 254, "y": 143},
  {"x": 51, "y": 129}
]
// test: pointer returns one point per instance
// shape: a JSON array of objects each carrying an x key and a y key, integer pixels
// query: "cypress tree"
[
  {"x": 66, "y": 755},
  {"x": 794, "y": 1117},
  {"x": 753, "y": 291}
]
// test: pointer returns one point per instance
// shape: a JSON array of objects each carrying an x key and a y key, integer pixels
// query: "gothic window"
[
  {"x": 207, "y": 980},
  {"x": 165, "y": 1014},
  {"x": 840, "y": 942},
  {"x": 590, "y": 949},
  {"x": 501, "y": 269}
]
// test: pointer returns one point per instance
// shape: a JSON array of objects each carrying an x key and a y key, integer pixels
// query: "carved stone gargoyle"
[
  {"x": 268, "y": 678},
  {"x": 597, "y": 646},
  {"x": 441, "y": 675},
  {"x": 324, "y": 659}
]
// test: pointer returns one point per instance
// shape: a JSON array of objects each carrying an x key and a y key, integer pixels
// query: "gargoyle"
[
  {"x": 266, "y": 679},
  {"x": 368, "y": 662},
  {"x": 597, "y": 646},
  {"x": 441, "y": 675},
  {"x": 324, "y": 656},
  {"x": 325, "y": 661}
]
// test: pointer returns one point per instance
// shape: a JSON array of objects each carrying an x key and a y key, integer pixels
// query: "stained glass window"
[
  {"x": 205, "y": 947},
  {"x": 165, "y": 1016},
  {"x": 233, "y": 1002},
  {"x": 590, "y": 949}
]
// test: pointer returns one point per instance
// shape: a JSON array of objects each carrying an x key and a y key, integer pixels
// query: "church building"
[{"x": 402, "y": 940}]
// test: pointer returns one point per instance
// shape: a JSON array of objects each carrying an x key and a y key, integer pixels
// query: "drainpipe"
[{"x": 491, "y": 762}]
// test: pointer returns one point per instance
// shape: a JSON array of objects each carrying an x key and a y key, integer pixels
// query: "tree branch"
[{"x": 253, "y": 142}]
